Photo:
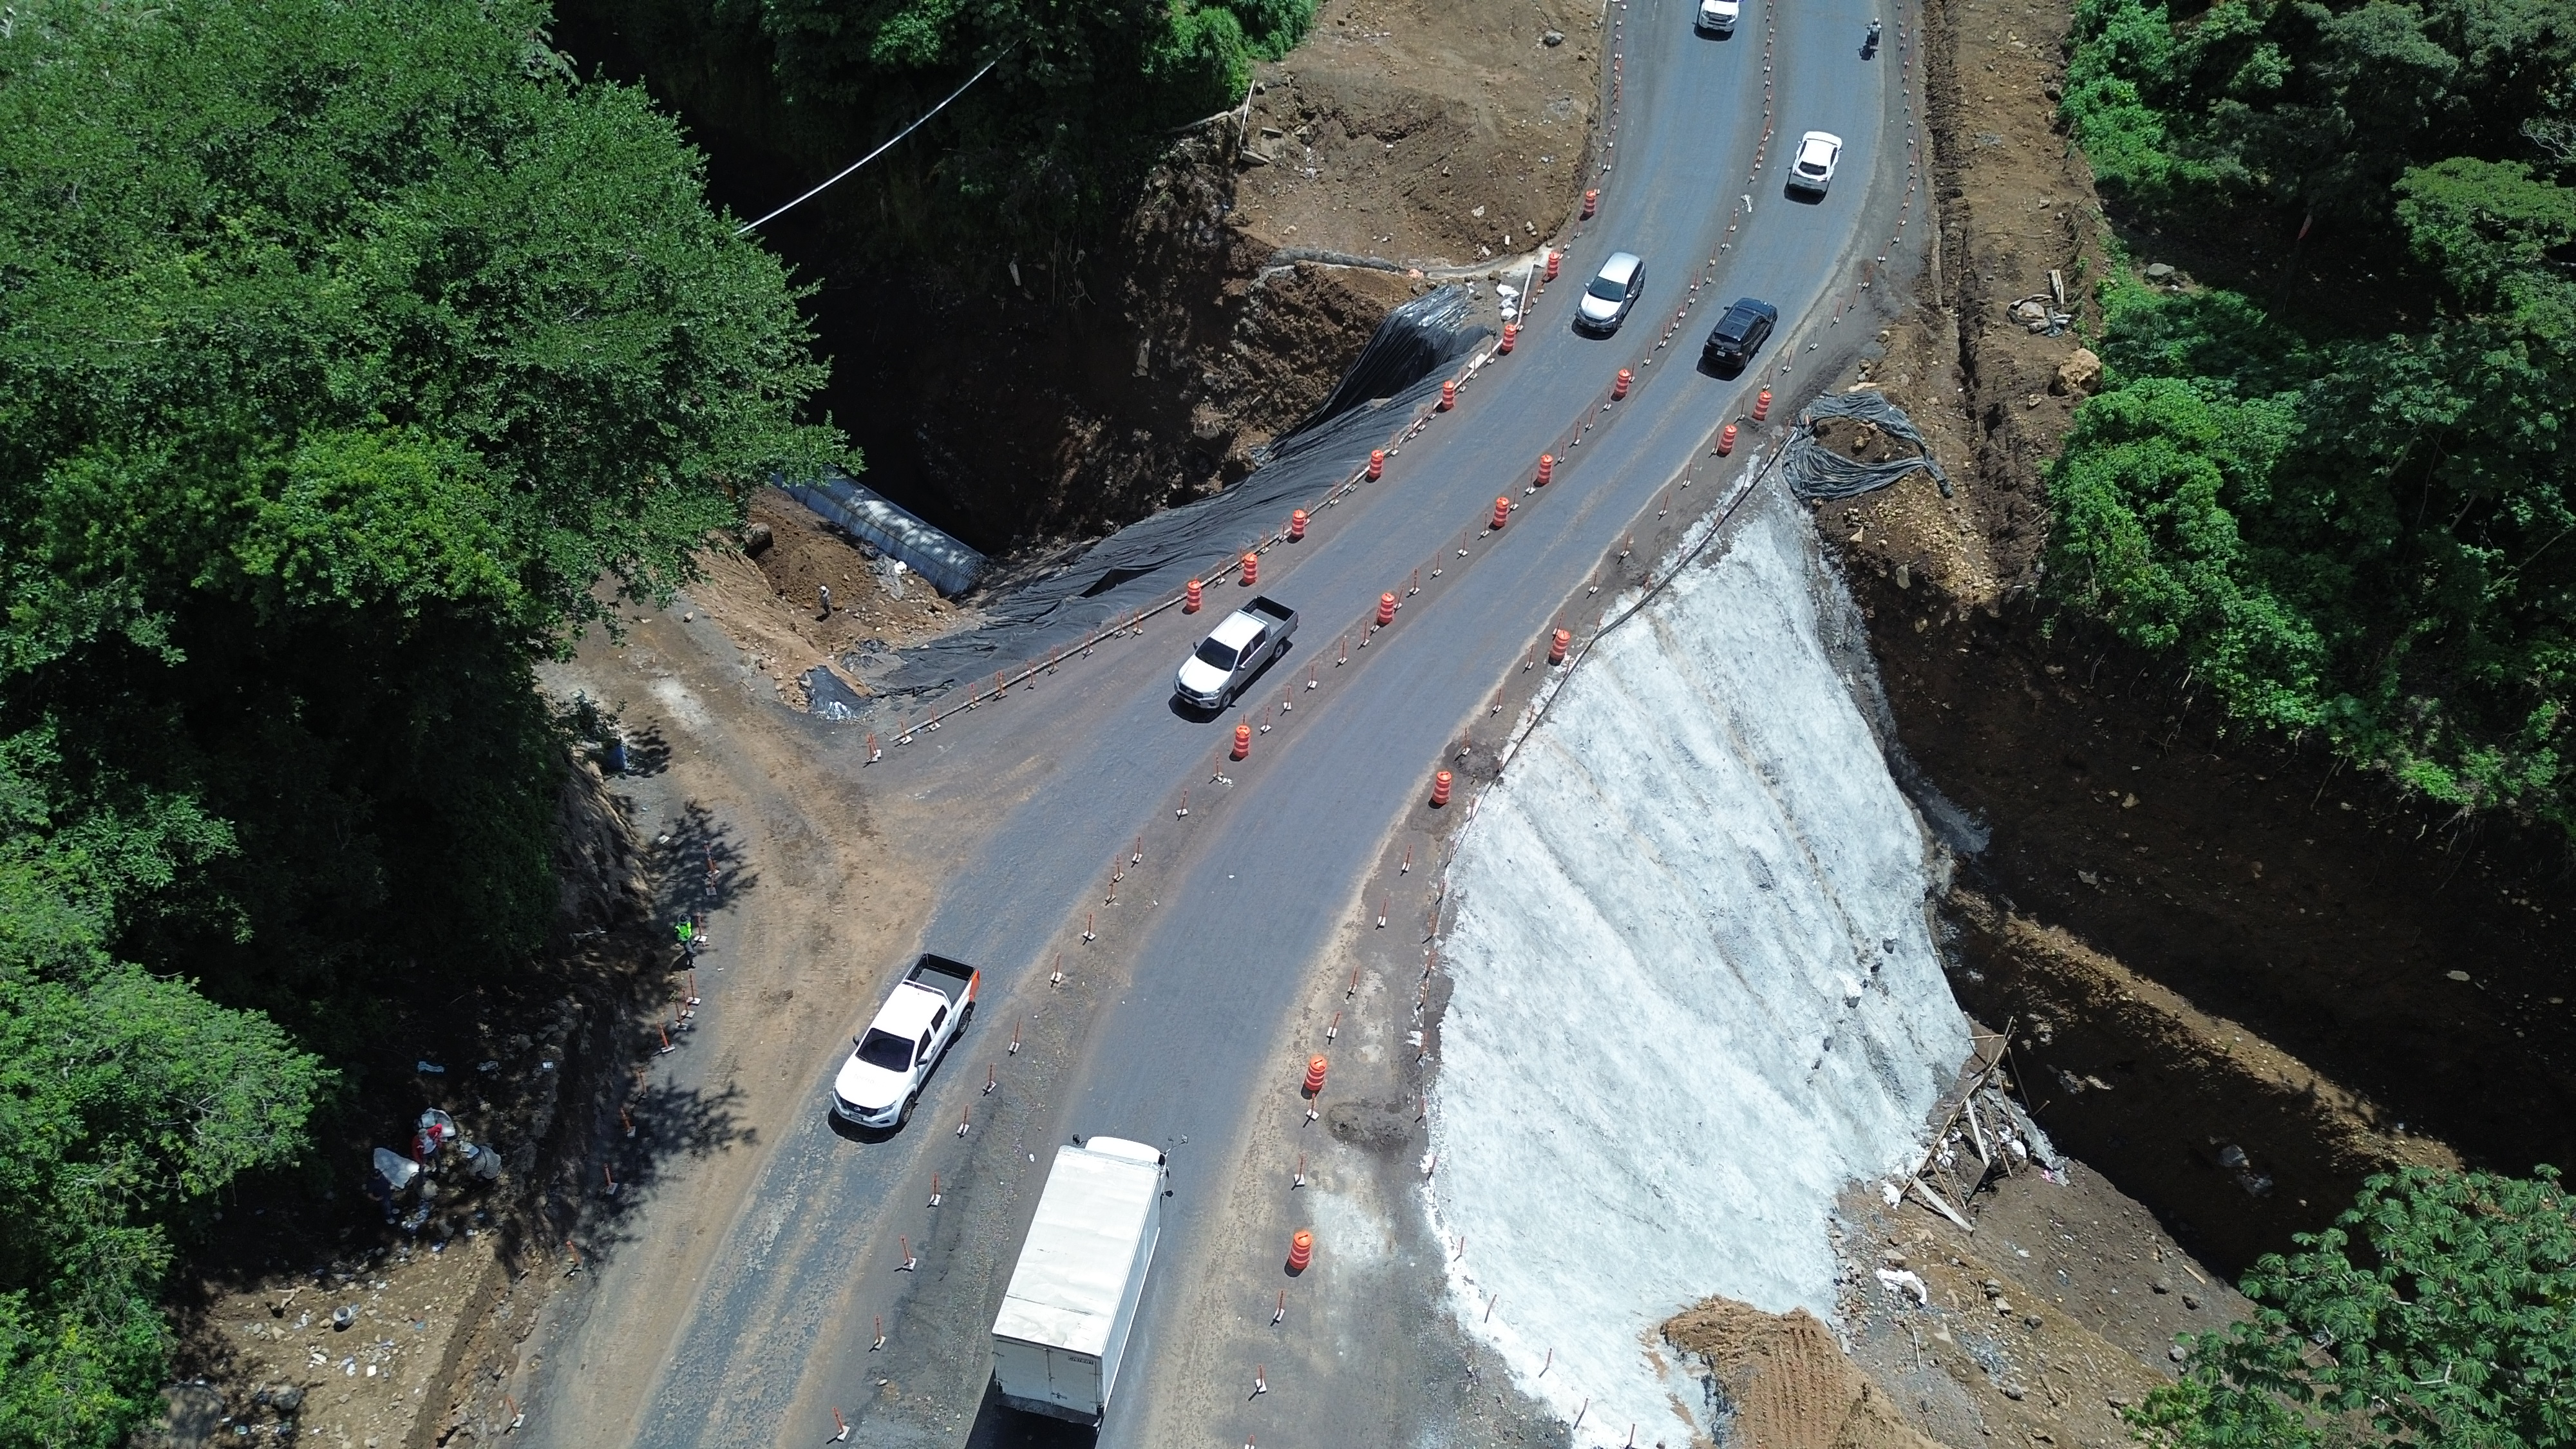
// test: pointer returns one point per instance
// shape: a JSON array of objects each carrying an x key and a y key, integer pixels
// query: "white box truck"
[{"x": 1064, "y": 1321}]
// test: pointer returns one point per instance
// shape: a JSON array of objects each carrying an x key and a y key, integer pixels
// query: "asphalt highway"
[{"x": 1169, "y": 1022}]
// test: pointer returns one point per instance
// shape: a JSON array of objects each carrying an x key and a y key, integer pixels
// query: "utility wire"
[{"x": 751, "y": 226}]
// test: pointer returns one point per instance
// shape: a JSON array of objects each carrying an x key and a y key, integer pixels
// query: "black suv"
[{"x": 1739, "y": 334}]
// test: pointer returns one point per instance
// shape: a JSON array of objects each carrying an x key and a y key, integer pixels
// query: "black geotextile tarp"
[
  {"x": 1141, "y": 563},
  {"x": 1817, "y": 472}
]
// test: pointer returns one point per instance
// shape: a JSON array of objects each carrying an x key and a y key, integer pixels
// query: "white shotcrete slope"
[{"x": 1695, "y": 990}]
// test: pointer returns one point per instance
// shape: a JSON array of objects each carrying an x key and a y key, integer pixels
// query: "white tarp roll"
[{"x": 1696, "y": 994}]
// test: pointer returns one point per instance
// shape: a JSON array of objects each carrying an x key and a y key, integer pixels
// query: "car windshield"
[
  {"x": 1213, "y": 653},
  {"x": 1608, "y": 290},
  {"x": 885, "y": 1049}
]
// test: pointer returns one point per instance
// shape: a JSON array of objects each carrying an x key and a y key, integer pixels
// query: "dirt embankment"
[{"x": 2247, "y": 978}]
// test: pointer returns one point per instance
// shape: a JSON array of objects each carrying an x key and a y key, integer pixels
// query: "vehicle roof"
[
  {"x": 907, "y": 1012},
  {"x": 1236, "y": 629},
  {"x": 1823, "y": 138},
  {"x": 1621, "y": 266},
  {"x": 1073, "y": 1269}
]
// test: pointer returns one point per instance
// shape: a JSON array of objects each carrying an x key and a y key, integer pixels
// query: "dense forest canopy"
[
  {"x": 346, "y": 346},
  {"x": 2340, "y": 482}
]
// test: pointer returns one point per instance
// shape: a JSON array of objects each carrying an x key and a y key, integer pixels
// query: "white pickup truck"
[
  {"x": 1233, "y": 652},
  {"x": 893, "y": 1058}
]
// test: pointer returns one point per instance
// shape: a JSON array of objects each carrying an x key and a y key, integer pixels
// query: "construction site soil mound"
[
  {"x": 1422, "y": 132},
  {"x": 1782, "y": 1382},
  {"x": 769, "y": 597}
]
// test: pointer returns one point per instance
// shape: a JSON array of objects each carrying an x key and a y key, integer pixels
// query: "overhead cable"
[{"x": 752, "y": 226}]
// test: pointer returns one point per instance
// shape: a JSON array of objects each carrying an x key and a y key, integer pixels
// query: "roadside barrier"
[
  {"x": 1301, "y": 1251},
  {"x": 1251, "y": 569},
  {"x": 1619, "y": 388},
  {"x": 1377, "y": 464},
  {"x": 1726, "y": 440},
  {"x": 1546, "y": 469},
  {"x": 1555, "y": 258},
  {"x": 1440, "y": 789},
  {"x": 1761, "y": 404},
  {"x": 1511, "y": 337},
  {"x": 1297, "y": 525},
  {"x": 1448, "y": 395},
  {"x": 880, "y": 1343},
  {"x": 910, "y": 1263},
  {"x": 934, "y": 1190},
  {"x": 841, "y": 1427},
  {"x": 1192, "y": 597},
  {"x": 1276, "y": 1315},
  {"x": 1502, "y": 514},
  {"x": 1242, "y": 741},
  {"x": 1385, "y": 610},
  {"x": 1557, "y": 644},
  {"x": 1316, "y": 1066},
  {"x": 1591, "y": 202}
]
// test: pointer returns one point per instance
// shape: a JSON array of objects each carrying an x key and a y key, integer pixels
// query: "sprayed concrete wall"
[{"x": 1695, "y": 992}]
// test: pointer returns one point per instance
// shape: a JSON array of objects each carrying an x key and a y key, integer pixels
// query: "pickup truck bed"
[{"x": 1241, "y": 645}]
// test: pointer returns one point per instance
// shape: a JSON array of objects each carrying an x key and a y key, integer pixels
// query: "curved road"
[{"x": 1165, "y": 1020}]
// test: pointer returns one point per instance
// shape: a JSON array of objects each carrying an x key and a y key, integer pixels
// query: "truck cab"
[{"x": 891, "y": 1061}]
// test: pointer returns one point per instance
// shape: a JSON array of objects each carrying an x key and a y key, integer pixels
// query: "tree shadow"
[
  {"x": 660, "y": 1127},
  {"x": 695, "y": 866},
  {"x": 647, "y": 753}
]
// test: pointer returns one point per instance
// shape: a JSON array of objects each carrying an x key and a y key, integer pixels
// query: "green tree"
[
  {"x": 2439, "y": 1311},
  {"x": 353, "y": 356}
]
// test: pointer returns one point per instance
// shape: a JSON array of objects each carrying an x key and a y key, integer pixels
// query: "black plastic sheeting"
[
  {"x": 831, "y": 698},
  {"x": 1818, "y": 472},
  {"x": 1141, "y": 563},
  {"x": 1415, "y": 339}
]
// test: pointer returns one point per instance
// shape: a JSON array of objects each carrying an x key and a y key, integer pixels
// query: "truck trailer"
[{"x": 1064, "y": 1321}]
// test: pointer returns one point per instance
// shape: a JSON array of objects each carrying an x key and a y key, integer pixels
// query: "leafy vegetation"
[
  {"x": 2440, "y": 1311},
  {"x": 345, "y": 346},
  {"x": 2347, "y": 515},
  {"x": 1083, "y": 96}
]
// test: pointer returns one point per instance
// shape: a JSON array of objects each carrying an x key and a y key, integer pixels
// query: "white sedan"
[{"x": 1813, "y": 168}]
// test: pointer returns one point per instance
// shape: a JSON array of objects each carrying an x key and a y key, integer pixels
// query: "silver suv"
[{"x": 1613, "y": 291}]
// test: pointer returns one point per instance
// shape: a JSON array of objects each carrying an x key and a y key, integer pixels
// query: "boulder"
[
  {"x": 2159, "y": 272},
  {"x": 2080, "y": 373}
]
